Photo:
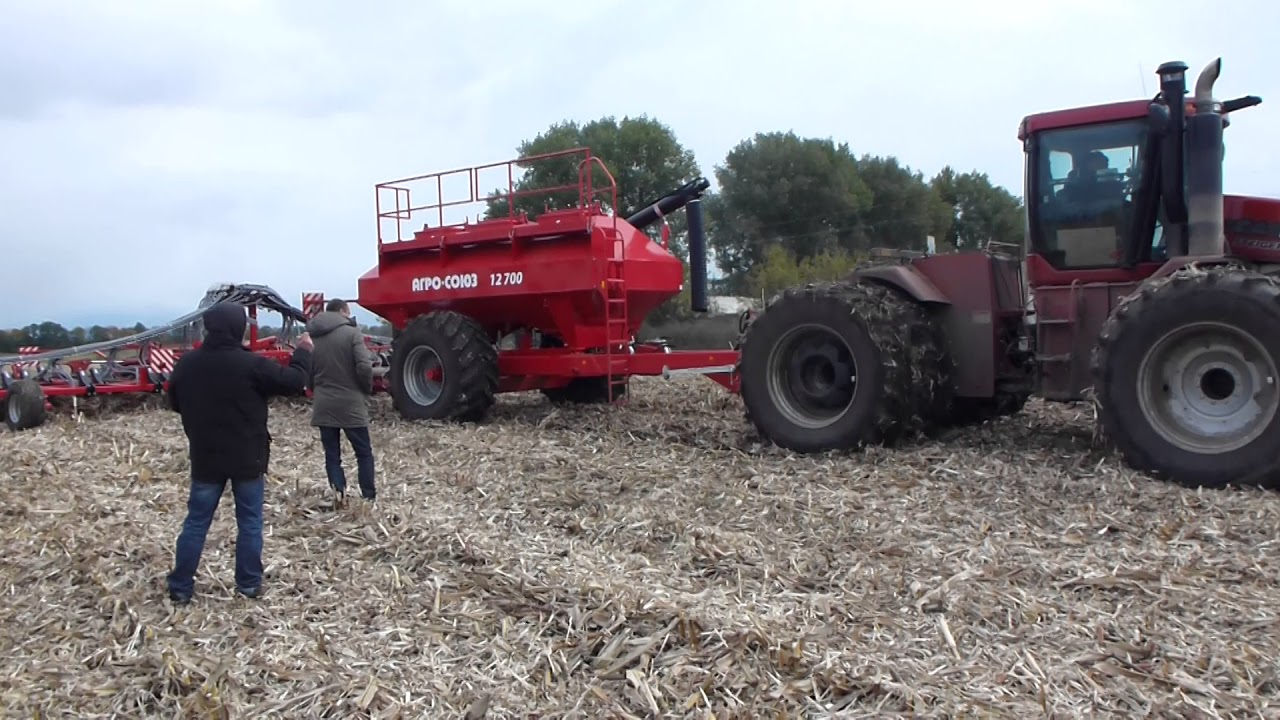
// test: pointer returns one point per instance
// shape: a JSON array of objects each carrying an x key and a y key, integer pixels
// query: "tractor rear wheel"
[
  {"x": 24, "y": 405},
  {"x": 443, "y": 367},
  {"x": 1185, "y": 373},
  {"x": 836, "y": 366}
]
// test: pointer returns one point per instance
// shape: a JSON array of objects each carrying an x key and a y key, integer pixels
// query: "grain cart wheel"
[
  {"x": 443, "y": 366},
  {"x": 1185, "y": 373},
  {"x": 841, "y": 365},
  {"x": 586, "y": 390},
  {"x": 24, "y": 406}
]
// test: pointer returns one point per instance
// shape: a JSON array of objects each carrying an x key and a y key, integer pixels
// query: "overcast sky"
[{"x": 151, "y": 148}]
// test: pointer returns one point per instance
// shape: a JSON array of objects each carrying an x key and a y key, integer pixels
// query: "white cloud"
[{"x": 149, "y": 149}]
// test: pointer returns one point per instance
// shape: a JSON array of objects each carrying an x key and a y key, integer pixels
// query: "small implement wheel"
[
  {"x": 443, "y": 367},
  {"x": 24, "y": 405},
  {"x": 1187, "y": 373}
]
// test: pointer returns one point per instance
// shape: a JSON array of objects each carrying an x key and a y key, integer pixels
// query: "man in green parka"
[{"x": 341, "y": 384}]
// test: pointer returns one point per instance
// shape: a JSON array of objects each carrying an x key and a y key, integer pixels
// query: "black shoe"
[
  {"x": 179, "y": 599},
  {"x": 251, "y": 593}
]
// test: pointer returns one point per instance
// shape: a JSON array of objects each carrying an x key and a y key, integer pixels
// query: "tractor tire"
[
  {"x": 24, "y": 405},
  {"x": 456, "y": 348},
  {"x": 1185, "y": 377},
  {"x": 794, "y": 388}
]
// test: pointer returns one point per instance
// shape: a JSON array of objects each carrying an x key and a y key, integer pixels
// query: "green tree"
[
  {"x": 904, "y": 209},
  {"x": 51, "y": 335},
  {"x": 644, "y": 156},
  {"x": 781, "y": 269},
  {"x": 983, "y": 212},
  {"x": 778, "y": 188}
]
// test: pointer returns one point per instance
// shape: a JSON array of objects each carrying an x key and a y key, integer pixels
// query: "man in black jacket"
[{"x": 221, "y": 390}]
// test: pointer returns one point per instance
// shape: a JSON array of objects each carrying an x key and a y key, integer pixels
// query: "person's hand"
[{"x": 304, "y": 341}]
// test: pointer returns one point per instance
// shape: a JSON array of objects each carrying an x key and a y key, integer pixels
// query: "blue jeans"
[
  {"x": 201, "y": 504},
  {"x": 331, "y": 439}
]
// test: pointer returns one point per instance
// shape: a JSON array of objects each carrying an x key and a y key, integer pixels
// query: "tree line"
[
  {"x": 788, "y": 209},
  {"x": 50, "y": 335}
]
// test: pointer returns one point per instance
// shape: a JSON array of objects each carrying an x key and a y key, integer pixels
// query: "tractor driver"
[{"x": 1089, "y": 185}]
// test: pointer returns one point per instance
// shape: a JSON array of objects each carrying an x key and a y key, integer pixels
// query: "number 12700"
[{"x": 506, "y": 278}]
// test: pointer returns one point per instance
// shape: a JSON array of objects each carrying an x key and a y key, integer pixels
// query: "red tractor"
[{"x": 1151, "y": 290}]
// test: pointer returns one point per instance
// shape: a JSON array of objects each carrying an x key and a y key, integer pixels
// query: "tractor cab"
[
  {"x": 1119, "y": 193},
  {"x": 1116, "y": 190},
  {"x": 1086, "y": 184}
]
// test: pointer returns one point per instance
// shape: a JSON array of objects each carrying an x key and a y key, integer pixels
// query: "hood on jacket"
[
  {"x": 328, "y": 321},
  {"x": 224, "y": 325}
]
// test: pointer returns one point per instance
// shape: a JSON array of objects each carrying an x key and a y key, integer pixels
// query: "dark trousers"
[
  {"x": 331, "y": 439},
  {"x": 201, "y": 504}
]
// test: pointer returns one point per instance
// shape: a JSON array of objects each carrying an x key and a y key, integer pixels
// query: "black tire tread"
[
  {"x": 477, "y": 380},
  {"x": 28, "y": 397},
  {"x": 915, "y": 387},
  {"x": 1128, "y": 315}
]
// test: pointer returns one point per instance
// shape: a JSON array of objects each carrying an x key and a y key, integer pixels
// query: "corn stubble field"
[{"x": 648, "y": 561}]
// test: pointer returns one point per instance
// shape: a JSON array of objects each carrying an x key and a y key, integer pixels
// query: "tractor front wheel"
[
  {"x": 443, "y": 367},
  {"x": 1186, "y": 375}
]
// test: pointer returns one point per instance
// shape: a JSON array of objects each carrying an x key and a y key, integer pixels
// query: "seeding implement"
[
  {"x": 513, "y": 303},
  {"x": 1151, "y": 290},
  {"x": 141, "y": 363}
]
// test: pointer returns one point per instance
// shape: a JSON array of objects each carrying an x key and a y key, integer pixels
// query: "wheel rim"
[
  {"x": 812, "y": 375},
  {"x": 423, "y": 375},
  {"x": 1208, "y": 388},
  {"x": 11, "y": 410}
]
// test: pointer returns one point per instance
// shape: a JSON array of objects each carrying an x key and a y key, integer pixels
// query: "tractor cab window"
[{"x": 1083, "y": 181}]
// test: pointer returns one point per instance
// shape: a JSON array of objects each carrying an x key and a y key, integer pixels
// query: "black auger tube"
[
  {"x": 668, "y": 203},
  {"x": 697, "y": 257},
  {"x": 689, "y": 197}
]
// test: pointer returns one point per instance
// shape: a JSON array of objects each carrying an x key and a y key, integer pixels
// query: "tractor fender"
[{"x": 907, "y": 279}]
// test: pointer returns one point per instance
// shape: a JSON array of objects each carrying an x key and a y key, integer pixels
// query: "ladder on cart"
[{"x": 617, "y": 347}]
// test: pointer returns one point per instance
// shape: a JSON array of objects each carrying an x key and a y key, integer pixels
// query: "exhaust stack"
[
  {"x": 1168, "y": 120},
  {"x": 1204, "y": 148}
]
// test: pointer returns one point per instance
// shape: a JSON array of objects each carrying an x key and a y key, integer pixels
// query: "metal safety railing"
[{"x": 394, "y": 198}]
